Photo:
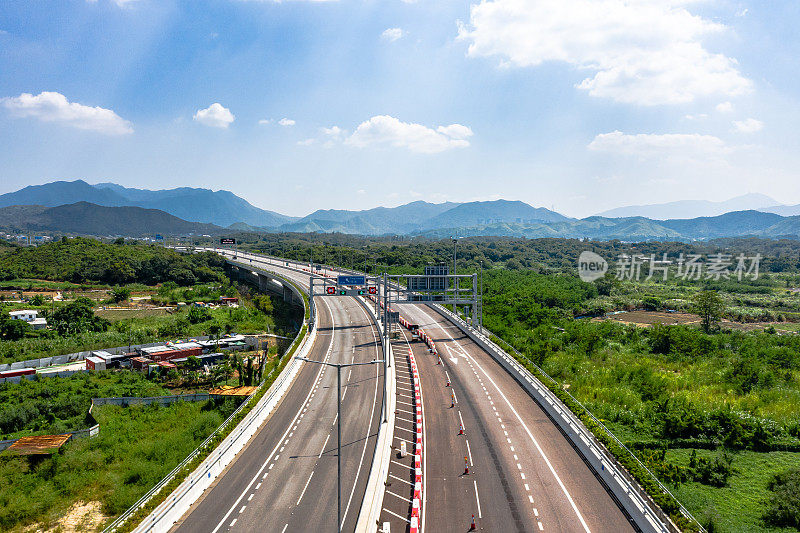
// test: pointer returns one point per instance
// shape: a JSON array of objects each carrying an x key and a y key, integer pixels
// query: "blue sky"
[{"x": 581, "y": 105}]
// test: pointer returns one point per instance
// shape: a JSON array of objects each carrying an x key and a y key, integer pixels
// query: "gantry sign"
[
  {"x": 437, "y": 285},
  {"x": 344, "y": 285}
]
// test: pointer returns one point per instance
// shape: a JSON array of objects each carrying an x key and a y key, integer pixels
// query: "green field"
[{"x": 136, "y": 447}]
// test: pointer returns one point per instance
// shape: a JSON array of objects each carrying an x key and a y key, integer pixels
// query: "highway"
[
  {"x": 286, "y": 476},
  {"x": 524, "y": 475}
]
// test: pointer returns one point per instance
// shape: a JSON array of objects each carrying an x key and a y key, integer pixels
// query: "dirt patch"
[
  {"x": 648, "y": 318},
  {"x": 82, "y": 516}
]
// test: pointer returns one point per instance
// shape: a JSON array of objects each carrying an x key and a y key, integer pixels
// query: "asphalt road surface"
[{"x": 285, "y": 479}]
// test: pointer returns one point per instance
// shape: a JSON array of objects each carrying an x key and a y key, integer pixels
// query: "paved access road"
[
  {"x": 285, "y": 479},
  {"x": 524, "y": 474}
]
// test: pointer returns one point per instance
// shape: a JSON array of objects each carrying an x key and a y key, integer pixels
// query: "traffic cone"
[
  {"x": 466, "y": 467},
  {"x": 461, "y": 429},
  {"x": 452, "y": 400},
  {"x": 448, "y": 382},
  {"x": 438, "y": 360},
  {"x": 472, "y": 526}
]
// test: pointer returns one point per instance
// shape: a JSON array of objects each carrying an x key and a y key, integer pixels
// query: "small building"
[
  {"x": 95, "y": 363},
  {"x": 38, "y": 445},
  {"x": 147, "y": 352},
  {"x": 31, "y": 316},
  {"x": 140, "y": 363},
  {"x": 228, "y": 300}
]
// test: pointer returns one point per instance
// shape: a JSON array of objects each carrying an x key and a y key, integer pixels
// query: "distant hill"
[
  {"x": 783, "y": 210},
  {"x": 692, "y": 208},
  {"x": 492, "y": 212},
  {"x": 375, "y": 221},
  {"x": 84, "y": 218},
  {"x": 192, "y": 204},
  {"x": 736, "y": 224},
  {"x": 421, "y": 216}
]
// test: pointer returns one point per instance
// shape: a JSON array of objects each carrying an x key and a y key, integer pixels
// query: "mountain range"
[
  {"x": 221, "y": 208},
  {"x": 694, "y": 208},
  {"x": 225, "y": 209},
  {"x": 110, "y": 209},
  {"x": 84, "y": 218}
]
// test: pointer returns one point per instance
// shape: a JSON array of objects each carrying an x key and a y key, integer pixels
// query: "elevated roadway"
[
  {"x": 285, "y": 479},
  {"x": 524, "y": 474}
]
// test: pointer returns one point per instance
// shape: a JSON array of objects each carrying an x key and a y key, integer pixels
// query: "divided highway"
[
  {"x": 285, "y": 479},
  {"x": 524, "y": 475}
]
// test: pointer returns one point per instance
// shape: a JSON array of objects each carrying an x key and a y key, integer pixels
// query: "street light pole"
[{"x": 339, "y": 367}]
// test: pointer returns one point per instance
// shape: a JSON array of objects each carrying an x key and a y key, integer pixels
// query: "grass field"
[
  {"x": 737, "y": 508},
  {"x": 136, "y": 447}
]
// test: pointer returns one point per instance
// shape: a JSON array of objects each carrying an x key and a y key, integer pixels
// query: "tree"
[
  {"x": 710, "y": 307},
  {"x": 12, "y": 329},
  {"x": 76, "y": 317},
  {"x": 120, "y": 294}
]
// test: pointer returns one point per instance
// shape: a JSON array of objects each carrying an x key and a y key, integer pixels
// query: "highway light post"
[{"x": 339, "y": 367}]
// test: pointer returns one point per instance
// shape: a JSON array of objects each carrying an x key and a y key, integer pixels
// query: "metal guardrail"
[
  {"x": 522, "y": 370},
  {"x": 124, "y": 517}
]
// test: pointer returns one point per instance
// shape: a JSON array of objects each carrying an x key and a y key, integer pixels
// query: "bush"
[
  {"x": 198, "y": 314},
  {"x": 783, "y": 508}
]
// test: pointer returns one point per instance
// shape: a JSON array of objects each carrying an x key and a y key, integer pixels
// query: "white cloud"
[
  {"x": 215, "y": 116},
  {"x": 698, "y": 116},
  {"x": 265, "y": 121},
  {"x": 306, "y": 142},
  {"x": 334, "y": 131},
  {"x": 749, "y": 125},
  {"x": 644, "y": 52},
  {"x": 392, "y": 34},
  {"x": 54, "y": 107},
  {"x": 724, "y": 107},
  {"x": 286, "y": 122},
  {"x": 383, "y": 130},
  {"x": 645, "y": 145}
]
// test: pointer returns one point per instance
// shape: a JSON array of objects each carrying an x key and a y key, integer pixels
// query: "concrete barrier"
[{"x": 372, "y": 503}]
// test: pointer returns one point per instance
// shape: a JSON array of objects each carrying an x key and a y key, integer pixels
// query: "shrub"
[{"x": 783, "y": 508}]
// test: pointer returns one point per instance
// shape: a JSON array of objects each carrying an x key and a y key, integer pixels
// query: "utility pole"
[
  {"x": 480, "y": 301},
  {"x": 339, "y": 367},
  {"x": 455, "y": 273}
]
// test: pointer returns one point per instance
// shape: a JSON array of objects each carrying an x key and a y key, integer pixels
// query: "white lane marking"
[
  {"x": 234, "y": 521},
  {"x": 398, "y": 496},
  {"x": 403, "y": 518},
  {"x": 269, "y": 458},
  {"x": 305, "y": 487},
  {"x": 528, "y": 431},
  {"x": 242, "y": 509},
  {"x": 372, "y": 413},
  {"x": 462, "y": 421},
  {"x": 401, "y": 464},
  {"x": 401, "y": 479},
  {"x": 250, "y": 498},
  {"x": 284, "y": 528},
  {"x": 322, "y": 450},
  {"x": 477, "y": 499},
  {"x": 469, "y": 452},
  {"x": 258, "y": 486}
]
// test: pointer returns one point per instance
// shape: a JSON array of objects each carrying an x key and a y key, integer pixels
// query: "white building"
[{"x": 30, "y": 316}]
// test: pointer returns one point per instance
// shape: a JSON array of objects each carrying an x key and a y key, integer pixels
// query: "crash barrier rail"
[
  {"x": 192, "y": 487},
  {"x": 647, "y": 515}
]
